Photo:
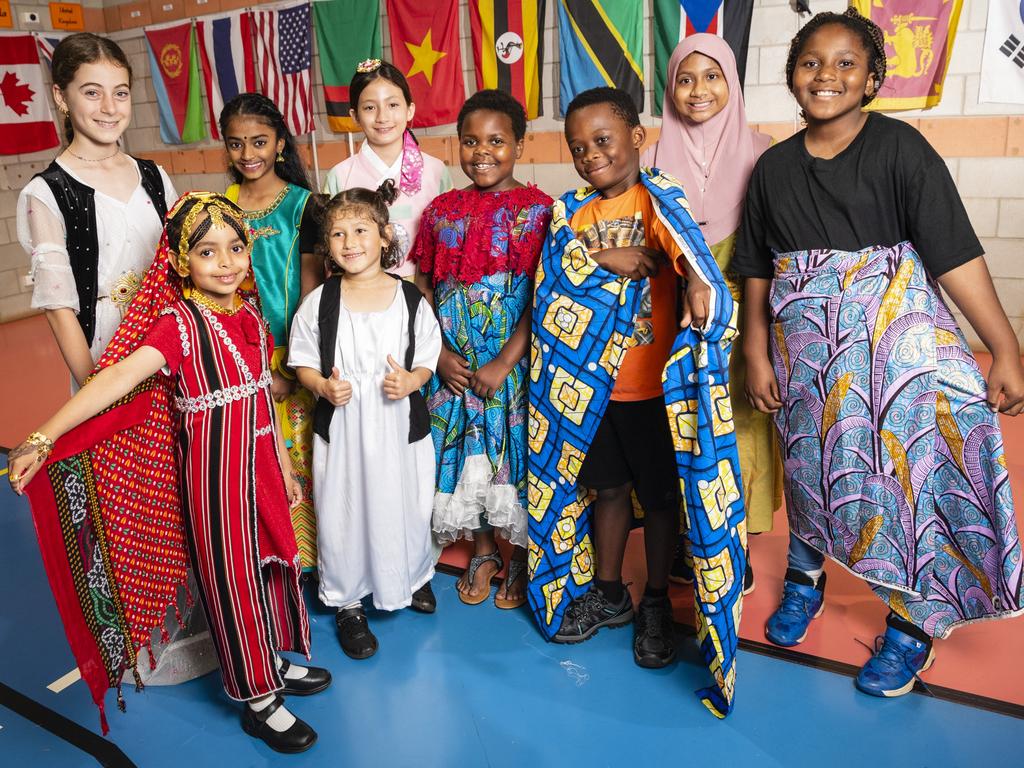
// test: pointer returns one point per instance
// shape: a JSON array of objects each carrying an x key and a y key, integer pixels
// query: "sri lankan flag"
[
  {"x": 602, "y": 43},
  {"x": 347, "y": 32},
  {"x": 508, "y": 47}
]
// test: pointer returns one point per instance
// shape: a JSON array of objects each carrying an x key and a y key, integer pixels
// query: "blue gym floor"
[{"x": 474, "y": 686}]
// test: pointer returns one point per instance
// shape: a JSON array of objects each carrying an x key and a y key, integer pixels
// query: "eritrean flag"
[
  {"x": 174, "y": 63},
  {"x": 508, "y": 47},
  {"x": 346, "y": 33},
  {"x": 676, "y": 19},
  {"x": 602, "y": 43}
]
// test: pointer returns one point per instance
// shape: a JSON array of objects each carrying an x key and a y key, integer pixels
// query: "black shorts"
[{"x": 633, "y": 445}]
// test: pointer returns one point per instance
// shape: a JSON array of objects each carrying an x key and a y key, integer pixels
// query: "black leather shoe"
[
  {"x": 423, "y": 599},
  {"x": 357, "y": 641},
  {"x": 298, "y": 738},
  {"x": 315, "y": 680}
]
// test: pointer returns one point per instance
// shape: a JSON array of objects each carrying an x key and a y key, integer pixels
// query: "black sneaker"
[
  {"x": 423, "y": 599},
  {"x": 357, "y": 641},
  {"x": 682, "y": 566},
  {"x": 652, "y": 633},
  {"x": 587, "y": 614},
  {"x": 748, "y": 579}
]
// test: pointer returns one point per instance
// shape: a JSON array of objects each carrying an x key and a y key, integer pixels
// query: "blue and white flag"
[{"x": 1002, "y": 62}]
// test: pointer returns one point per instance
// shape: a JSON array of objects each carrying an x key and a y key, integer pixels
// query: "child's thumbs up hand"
[
  {"x": 335, "y": 390},
  {"x": 398, "y": 383}
]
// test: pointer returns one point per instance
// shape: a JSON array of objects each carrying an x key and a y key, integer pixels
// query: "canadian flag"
[{"x": 25, "y": 121}]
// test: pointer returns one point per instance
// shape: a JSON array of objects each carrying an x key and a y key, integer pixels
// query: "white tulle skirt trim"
[{"x": 477, "y": 500}]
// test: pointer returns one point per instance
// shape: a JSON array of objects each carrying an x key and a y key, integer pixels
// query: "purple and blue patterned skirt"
[{"x": 893, "y": 461}]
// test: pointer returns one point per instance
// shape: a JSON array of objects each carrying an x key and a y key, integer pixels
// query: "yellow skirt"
[{"x": 295, "y": 415}]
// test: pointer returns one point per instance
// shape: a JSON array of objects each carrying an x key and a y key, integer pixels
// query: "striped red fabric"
[{"x": 284, "y": 60}]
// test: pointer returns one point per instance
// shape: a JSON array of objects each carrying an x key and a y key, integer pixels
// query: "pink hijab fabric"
[{"x": 729, "y": 144}]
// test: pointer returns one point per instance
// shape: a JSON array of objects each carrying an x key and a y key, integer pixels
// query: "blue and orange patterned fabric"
[{"x": 583, "y": 324}]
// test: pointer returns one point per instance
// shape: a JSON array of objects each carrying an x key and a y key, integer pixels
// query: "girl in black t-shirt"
[{"x": 888, "y": 431}]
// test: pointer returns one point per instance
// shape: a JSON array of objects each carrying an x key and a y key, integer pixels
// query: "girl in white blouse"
[{"x": 92, "y": 219}]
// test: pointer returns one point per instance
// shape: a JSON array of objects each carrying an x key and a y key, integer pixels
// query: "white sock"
[
  {"x": 815, "y": 575},
  {"x": 281, "y": 720},
  {"x": 294, "y": 672}
]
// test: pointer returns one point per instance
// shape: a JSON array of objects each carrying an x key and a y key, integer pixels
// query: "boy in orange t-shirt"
[{"x": 632, "y": 450}]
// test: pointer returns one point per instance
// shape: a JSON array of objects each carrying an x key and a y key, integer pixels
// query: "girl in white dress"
[
  {"x": 365, "y": 343},
  {"x": 91, "y": 221}
]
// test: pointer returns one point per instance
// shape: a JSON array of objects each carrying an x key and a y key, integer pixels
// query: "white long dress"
[
  {"x": 373, "y": 490},
  {"x": 127, "y": 234}
]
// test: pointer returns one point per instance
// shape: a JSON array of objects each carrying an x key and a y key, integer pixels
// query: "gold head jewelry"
[
  {"x": 210, "y": 203},
  {"x": 368, "y": 65}
]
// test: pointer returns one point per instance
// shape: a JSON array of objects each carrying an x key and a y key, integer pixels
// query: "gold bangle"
[{"x": 42, "y": 444}]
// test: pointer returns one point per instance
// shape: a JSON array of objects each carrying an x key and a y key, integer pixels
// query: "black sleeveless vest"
[
  {"x": 327, "y": 322},
  {"x": 77, "y": 204}
]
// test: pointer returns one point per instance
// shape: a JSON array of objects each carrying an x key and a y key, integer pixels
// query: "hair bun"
[{"x": 388, "y": 191}]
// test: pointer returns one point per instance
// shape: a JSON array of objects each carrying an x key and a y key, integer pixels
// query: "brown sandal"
[
  {"x": 516, "y": 569},
  {"x": 474, "y": 565}
]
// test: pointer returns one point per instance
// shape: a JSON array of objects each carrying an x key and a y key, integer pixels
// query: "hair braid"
[{"x": 871, "y": 36}]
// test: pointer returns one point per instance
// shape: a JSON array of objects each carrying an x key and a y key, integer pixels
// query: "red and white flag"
[
  {"x": 26, "y": 124},
  {"x": 284, "y": 59}
]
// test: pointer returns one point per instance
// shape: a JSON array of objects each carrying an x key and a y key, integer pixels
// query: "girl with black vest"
[
  {"x": 365, "y": 343},
  {"x": 91, "y": 221}
]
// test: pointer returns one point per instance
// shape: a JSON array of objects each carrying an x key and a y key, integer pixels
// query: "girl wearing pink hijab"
[{"x": 707, "y": 144}]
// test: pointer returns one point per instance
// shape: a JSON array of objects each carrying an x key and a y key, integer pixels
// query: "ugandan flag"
[
  {"x": 508, "y": 48},
  {"x": 346, "y": 33},
  {"x": 602, "y": 43}
]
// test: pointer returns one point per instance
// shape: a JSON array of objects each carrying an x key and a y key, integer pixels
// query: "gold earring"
[{"x": 280, "y": 157}]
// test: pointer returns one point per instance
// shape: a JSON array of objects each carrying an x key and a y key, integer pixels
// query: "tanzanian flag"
[
  {"x": 602, "y": 43},
  {"x": 508, "y": 48},
  {"x": 676, "y": 19},
  {"x": 347, "y": 32}
]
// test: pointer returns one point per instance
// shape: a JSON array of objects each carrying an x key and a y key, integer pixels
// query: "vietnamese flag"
[
  {"x": 25, "y": 121},
  {"x": 425, "y": 47},
  {"x": 174, "y": 64}
]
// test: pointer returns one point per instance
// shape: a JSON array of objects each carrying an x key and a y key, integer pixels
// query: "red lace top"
[{"x": 468, "y": 234}]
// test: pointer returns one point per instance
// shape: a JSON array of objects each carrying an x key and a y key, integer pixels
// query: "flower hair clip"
[{"x": 368, "y": 65}]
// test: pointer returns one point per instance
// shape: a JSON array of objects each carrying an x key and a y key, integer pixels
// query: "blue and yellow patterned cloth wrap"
[{"x": 583, "y": 321}]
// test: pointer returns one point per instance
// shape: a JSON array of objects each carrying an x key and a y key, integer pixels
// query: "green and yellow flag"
[{"x": 347, "y": 32}]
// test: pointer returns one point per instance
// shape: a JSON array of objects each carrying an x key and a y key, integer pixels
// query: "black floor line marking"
[{"x": 106, "y": 753}]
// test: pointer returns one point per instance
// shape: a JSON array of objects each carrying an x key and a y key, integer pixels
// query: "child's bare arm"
[
  {"x": 335, "y": 390},
  {"x": 104, "y": 388},
  {"x": 291, "y": 486},
  {"x": 401, "y": 383},
  {"x": 311, "y": 275},
  {"x": 71, "y": 341},
  {"x": 635, "y": 261},
  {"x": 490, "y": 376},
  {"x": 696, "y": 299},
  {"x": 970, "y": 287},
  {"x": 762, "y": 389}
]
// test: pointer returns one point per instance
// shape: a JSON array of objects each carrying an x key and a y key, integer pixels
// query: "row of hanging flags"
[{"x": 270, "y": 49}]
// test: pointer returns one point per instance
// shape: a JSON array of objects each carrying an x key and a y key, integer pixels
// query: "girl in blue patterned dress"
[
  {"x": 477, "y": 250},
  {"x": 890, "y": 441}
]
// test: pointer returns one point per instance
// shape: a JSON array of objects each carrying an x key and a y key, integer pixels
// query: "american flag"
[{"x": 284, "y": 58}]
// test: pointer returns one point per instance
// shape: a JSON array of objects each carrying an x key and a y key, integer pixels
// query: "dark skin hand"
[
  {"x": 635, "y": 262},
  {"x": 490, "y": 376}
]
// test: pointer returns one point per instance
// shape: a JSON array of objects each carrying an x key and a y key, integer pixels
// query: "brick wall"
[{"x": 982, "y": 143}]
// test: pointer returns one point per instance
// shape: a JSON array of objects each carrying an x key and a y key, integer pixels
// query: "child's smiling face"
[
  {"x": 701, "y": 91},
  {"x": 219, "y": 263},
  {"x": 488, "y": 150},
  {"x": 356, "y": 243},
  {"x": 832, "y": 74},
  {"x": 604, "y": 148},
  {"x": 252, "y": 146}
]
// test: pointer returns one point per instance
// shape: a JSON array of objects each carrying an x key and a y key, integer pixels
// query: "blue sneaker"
[
  {"x": 802, "y": 601},
  {"x": 894, "y": 668}
]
